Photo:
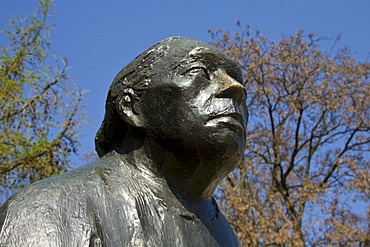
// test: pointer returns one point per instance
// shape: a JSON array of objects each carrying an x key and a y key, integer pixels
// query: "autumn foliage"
[
  {"x": 40, "y": 106},
  {"x": 305, "y": 180}
]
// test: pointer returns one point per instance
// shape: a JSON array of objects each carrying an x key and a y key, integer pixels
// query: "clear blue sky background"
[{"x": 100, "y": 37}]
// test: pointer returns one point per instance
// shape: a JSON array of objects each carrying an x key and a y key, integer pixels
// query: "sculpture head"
[{"x": 182, "y": 93}]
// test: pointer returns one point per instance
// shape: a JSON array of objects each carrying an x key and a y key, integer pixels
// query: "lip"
[{"x": 232, "y": 121}]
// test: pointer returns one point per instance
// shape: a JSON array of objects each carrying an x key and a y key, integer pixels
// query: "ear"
[{"x": 128, "y": 109}]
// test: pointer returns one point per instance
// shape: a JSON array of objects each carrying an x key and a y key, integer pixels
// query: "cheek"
[
  {"x": 201, "y": 101},
  {"x": 163, "y": 108},
  {"x": 158, "y": 101}
]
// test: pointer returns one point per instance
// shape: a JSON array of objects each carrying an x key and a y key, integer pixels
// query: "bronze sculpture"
[{"x": 174, "y": 127}]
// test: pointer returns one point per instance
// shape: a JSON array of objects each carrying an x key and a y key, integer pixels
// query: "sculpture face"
[{"x": 198, "y": 105}]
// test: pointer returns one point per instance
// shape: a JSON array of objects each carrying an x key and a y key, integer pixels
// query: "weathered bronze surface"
[{"x": 174, "y": 127}]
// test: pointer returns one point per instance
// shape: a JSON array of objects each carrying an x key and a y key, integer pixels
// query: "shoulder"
[
  {"x": 51, "y": 208},
  {"x": 73, "y": 183},
  {"x": 52, "y": 188}
]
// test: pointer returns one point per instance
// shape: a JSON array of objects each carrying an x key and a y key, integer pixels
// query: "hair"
[{"x": 132, "y": 80}]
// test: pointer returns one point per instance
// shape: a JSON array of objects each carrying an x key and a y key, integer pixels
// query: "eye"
[{"x": 197, "y": 71}]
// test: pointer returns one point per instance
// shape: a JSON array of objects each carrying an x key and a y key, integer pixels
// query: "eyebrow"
[{"x": 218, "y": 60}]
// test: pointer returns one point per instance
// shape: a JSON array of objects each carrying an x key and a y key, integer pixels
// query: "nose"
[{"x": 229, "y": 87}]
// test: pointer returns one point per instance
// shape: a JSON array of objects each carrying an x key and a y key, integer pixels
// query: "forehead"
[{"x": 167, "y": 58}]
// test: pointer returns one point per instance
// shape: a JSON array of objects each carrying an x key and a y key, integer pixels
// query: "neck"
[{"x": 190, "y": 174}]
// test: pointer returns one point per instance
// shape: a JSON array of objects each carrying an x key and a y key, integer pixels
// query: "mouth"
[{"x": 233, "y": 121}]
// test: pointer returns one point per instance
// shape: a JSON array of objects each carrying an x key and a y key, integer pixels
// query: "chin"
[
  {"x": 231, "y": 138},
  {"x": 226, "y": 144}
]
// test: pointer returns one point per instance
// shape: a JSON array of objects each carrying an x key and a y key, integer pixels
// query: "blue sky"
[{"x": 100, "y": 37}]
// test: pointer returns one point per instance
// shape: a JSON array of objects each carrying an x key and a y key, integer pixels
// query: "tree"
[
  {"x": 308, "y": 142},
  {"x": 40, "y": 107}
]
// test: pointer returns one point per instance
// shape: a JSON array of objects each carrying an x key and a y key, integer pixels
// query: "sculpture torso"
[{"x": 107, "y": 203}]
